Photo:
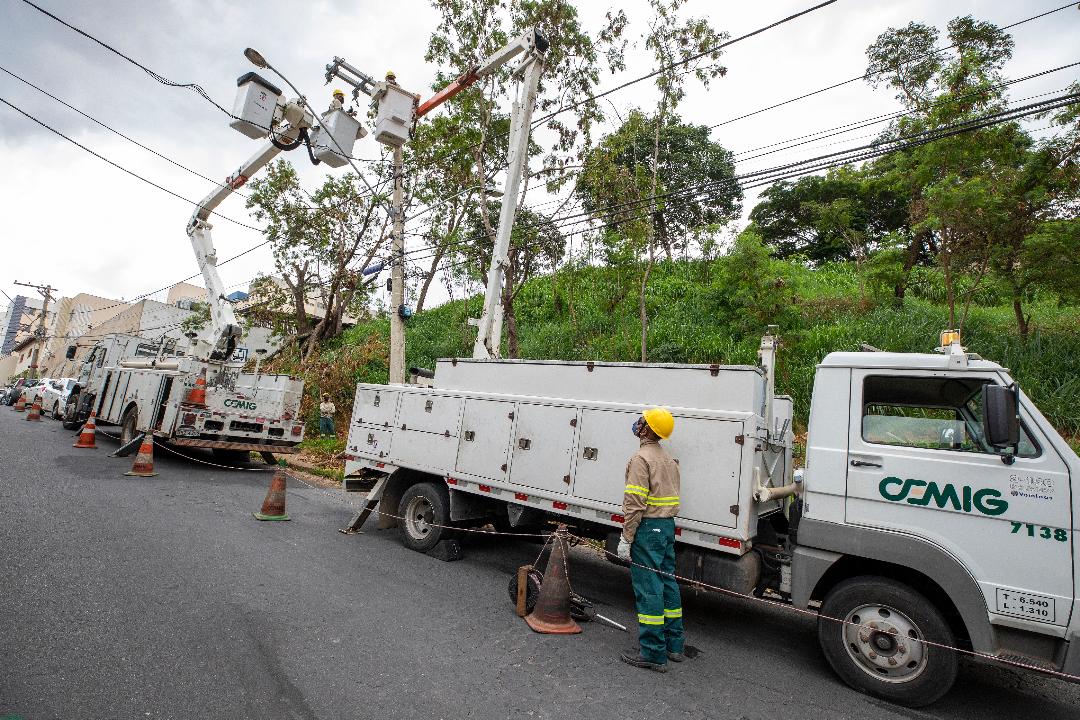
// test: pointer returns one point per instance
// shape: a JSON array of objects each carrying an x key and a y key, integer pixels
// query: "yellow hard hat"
[
  {"x": 339, "y": 91},
  {"x": 660, "y": 421}
]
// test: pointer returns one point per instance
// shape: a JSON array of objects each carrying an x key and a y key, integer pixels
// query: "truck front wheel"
[
  {"x": 885, "y": 639},
  {"x": 425, "y": 514},
  {"x": 129, "y": 424}
]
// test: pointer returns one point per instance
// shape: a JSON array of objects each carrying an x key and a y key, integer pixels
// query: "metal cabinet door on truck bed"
[
  {"x": 918, "y": 464},
  {"x": 709, "y": 457}
]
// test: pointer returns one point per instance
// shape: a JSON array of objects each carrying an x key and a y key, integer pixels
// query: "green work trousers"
[{"x": 659, "y": 605}]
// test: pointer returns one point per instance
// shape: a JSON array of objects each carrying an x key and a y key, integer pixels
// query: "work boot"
[
  {"x": 637, "y": 661},
  {"x": 675, "y": 657}
]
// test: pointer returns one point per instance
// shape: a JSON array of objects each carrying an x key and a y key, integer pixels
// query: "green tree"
[{"x": 320, "y": 240}]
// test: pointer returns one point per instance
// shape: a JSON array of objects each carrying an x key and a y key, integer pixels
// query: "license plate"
[{"x": 187, "y": 432}]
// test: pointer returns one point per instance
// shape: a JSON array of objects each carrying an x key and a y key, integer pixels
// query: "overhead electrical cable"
[{"x": 868, "y": 71}]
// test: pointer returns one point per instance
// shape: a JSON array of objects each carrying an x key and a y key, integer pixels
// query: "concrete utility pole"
[
  {"x": 46, "y": 293},
  {"x": 397, "y": 276}
]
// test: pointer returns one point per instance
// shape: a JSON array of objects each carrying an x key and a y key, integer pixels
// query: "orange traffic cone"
[
  {"x": 273, "y": 507},
  {"x": 88, "y": 434},
  {"x": 35, "y": 411},
  {"x": 20, "y": 404},
  {"x": 144, "y": 461},
  {"x": 197, "y": 394},
  {"x": 552, "y": 612}
]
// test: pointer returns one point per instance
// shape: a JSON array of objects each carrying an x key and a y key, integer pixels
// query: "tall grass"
[{"x": 696, "y": 317}]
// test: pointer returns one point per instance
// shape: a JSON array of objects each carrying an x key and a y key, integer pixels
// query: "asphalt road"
[{"x": 163, "y": 598}]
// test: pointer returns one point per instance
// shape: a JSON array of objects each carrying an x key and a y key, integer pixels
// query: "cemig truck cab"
[{"x": 931, "y": 480}]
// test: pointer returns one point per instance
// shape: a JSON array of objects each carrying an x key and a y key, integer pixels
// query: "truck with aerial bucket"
[
  {"x": 201, "y": 398},
  {"x": 934, "y": 515},
  {"x": 145, "y": 386}
]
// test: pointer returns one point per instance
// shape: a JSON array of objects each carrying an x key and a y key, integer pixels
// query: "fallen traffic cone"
[
  {"x": 273, "y": 507},
  {"x": 35, "y": 411},
  {"x": 197, "y": 394},
  {"x": 88, "y": 434},
  {"x": 144, "y": 461},
  {"x": 20, "y": 404},
  {"x": 552, "y": 612}
]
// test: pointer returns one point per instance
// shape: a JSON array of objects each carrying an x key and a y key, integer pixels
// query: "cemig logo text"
[
  {"x": 985, "y": 500},
  {"x": 240, "y": 404}
]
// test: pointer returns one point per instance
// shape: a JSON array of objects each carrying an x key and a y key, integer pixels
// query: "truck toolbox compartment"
[
  {"x": 485, "y": 438},
  {"x": 541, "y": 453},
  {"x": 429, "y": 412},
  {"x": 375, "y": 406},
  {"x": 369, "y": 442},
  {"x": 710, "y": 464},
  {"x": 605, "y": 447},
  {"x": 422, "y": 450}
]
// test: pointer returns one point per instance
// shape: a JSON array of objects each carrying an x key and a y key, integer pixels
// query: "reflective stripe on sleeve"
[
  {"x": 676, "y": 613},
  {"x": 650, "y": 619}
]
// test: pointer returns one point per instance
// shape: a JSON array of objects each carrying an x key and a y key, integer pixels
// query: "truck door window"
[{"x": 929, "y": 412}]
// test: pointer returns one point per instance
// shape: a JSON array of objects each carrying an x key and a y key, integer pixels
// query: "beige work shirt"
[{"x": 652, "y": 487}]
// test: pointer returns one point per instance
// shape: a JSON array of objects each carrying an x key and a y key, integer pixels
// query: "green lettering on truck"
[{"x": 987, "y": 501}]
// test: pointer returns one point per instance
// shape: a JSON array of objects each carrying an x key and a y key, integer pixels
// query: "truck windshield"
[{"x": 929, "y": 412}]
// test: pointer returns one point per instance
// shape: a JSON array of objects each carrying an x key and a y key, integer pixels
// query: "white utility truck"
[
  {"x": 134, "y": 383},
  {"x": 935, "y": 510},
  {"x": 936, "y": 504},
  {"x": 144, "y": 386}
]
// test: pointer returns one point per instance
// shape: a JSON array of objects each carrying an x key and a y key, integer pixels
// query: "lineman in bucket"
[{"x": 650, "y": 505}]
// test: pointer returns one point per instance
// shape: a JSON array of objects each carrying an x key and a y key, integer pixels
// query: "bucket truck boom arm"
[{"x": 225, "y": 330}]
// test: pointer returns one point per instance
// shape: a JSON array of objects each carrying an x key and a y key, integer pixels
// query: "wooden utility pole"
[{"x": 46, "y": 294}]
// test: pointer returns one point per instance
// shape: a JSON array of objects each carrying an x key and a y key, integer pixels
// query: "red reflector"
[
  {"x": 558, "y": 505},
  {"x": 485, "y": 488},
  {"x": 382, "y": 465},
  {"x": 678, "y": 531},
  {"x": 521, "y": 496},
  {"x": 451, "y": 481},
  {"x": 618, "y": 518},
  {"x": 730, "y": 542},
  {"x": 189, "y": 418},
  {"x": 297, "y": 429}
]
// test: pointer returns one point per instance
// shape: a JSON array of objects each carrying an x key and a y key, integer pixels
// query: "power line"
[
  {"x": 688, "y": 59},
  {"x": 818, "y": 163},
  {"x": 117, "y": 165},
  {"x": 867, "y": 73}
]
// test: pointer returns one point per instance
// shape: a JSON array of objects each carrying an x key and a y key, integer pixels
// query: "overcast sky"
[{"x": 75, "y": 222}]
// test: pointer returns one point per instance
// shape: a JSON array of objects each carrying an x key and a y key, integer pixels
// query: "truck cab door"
[{"x": 918, "y": 465}]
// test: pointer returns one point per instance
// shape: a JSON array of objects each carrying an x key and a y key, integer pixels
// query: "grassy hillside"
[{"x": 714, "y": 312}]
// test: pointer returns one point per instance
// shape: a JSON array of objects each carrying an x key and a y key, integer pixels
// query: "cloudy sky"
[{"x": 76, "y": 222}]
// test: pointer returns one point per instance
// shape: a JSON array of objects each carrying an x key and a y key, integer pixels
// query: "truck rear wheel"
[
  {"x": 425, "y": 514},
  {"x": 890, "y": 641},
  {"x": 232, "y": 457},
  {"x": 71, "y": 412},
  {"x": 128, "y": 424}
]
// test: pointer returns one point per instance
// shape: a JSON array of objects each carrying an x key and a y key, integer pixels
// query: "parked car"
[
  {"x": 54, "y": 396},
  {"x": 10, "y": 393},
  {"x": 33, "y": 389}
]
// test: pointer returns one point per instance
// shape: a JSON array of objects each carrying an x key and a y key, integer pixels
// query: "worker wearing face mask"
[{"x": 650, "y": 504}]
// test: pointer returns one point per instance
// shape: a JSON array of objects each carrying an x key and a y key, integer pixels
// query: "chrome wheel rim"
[
  {"x": 885, "y": 643},
  {"x": 419, "y": 516}
]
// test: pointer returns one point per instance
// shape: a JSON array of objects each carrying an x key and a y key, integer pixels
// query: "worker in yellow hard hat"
[
  {"x": 338, "y": 100},
  {"x": 650, "y": 504}
]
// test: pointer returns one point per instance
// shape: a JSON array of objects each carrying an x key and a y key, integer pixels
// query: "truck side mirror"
[{"x": 1000, "y": 421}]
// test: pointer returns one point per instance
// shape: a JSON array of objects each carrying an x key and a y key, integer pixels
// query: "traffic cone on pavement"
[
  {"x": 88, "y": 434},
  {"x": 144, "y": 461},
  {"x": 273, "y": 507},
  {"x": 35, "y": 411},
  {"x": 20, "y": 404},
  {"x": 197, "y": 394},
  {"x": 552, "y": 612}
]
